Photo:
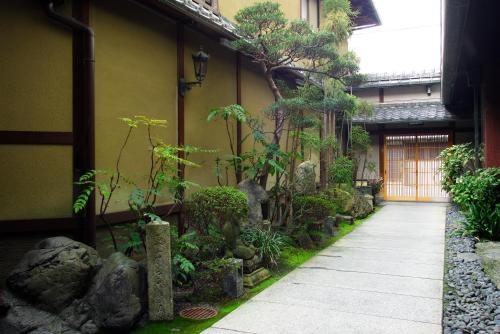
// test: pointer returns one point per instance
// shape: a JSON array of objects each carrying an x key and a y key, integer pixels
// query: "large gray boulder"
[
  {"x": 22, "y": 318},
  {"x": 62, "y": 287},
  {"x": 118, "y": 293},
  {"x": 305, "y": 178},
  {"x": 489, "y": 256},
  {"x": 53, "y": 274},
  {"x": 256, "y": 197}
]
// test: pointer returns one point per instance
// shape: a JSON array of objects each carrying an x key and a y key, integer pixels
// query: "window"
[
  {"x": 208, "y": 4},
  {"x": 309, "y": 11}
]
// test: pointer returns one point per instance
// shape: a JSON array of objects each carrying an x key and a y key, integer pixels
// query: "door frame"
[{"x": 406, "y": 132}]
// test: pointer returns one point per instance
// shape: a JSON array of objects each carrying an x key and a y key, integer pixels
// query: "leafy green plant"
[
  {"x": 162, "y": 180},
  {"x": 182, "y": 270},
  {"x": 211, "y": 245},
  {"x": 209, "y": 276},
  {"x": 231, "y": 115},
  {"x": 360, "y": 139},
  {"x": 268, "y": 243},
  {"x": 377, "y": 185},
  {"x": 478, "y": 196},
  {"x": 457, "y": 160},
  {"x": 215, "y": 206},
  {"x": 312, "y": 208},
  {"x": 341, "y": 171},
  {"x": 184, "y": 253}
]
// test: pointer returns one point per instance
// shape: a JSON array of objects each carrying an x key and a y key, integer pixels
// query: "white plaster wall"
[
  {"x": 411, "y": 93},
  {"x": 416, "y": 93}
]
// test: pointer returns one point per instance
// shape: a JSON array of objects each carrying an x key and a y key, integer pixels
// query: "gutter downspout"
[{"x": 84, "y": 112}]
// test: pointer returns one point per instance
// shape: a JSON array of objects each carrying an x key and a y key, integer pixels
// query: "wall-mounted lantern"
[{"x": 200, "y": 61}]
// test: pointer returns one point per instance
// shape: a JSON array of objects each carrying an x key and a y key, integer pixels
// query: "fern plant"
[{"x": 162, "y": 181}]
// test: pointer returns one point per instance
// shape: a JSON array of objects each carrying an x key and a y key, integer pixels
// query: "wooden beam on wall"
[
  {"x": 72, "y": 223},
  {"x": 38, "y": 225},
  {"x": 180, "y": 113},
  {"x": 381, "y": 157},
  {"x": 381, "y": 95},
  {"x": 403, "y": 131},
  {"x": 35, "y": 138},
  {"x": 128, "y": 216},
  {"x": 180, "y": 98},
  {"x": 238, "y": 124}
]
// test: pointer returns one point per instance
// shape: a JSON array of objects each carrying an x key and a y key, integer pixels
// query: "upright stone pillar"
[{"x": 160, "y": 293}]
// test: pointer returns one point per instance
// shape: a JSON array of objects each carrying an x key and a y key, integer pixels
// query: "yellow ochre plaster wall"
[
  {"x": 217, "y": 90},
  {"x": 229, "y": 8},
  {"x": 35, "y": 95},
  {"x": 36, "y": 181},
  {"x": 36, "y": 69},
  {"x": 135, "y": 75}
]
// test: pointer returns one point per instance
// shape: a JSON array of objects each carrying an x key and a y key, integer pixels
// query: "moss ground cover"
[{"x": 290, "y": 259}]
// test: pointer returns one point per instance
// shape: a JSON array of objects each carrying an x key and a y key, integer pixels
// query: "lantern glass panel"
[{"x": 200, "y": 60}]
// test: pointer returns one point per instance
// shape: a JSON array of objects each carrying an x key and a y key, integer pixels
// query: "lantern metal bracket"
[{"x": 184, "y": 85}]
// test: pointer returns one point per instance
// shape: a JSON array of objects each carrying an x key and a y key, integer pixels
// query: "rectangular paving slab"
[
  {"x": 388, "y": 254},
  {"x": 384, "y": 277},
  {"x": 403, "y": 285}
]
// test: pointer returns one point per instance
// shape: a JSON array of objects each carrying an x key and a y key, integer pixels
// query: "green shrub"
[
  {"x": 341, "y": 197},
  {"x": 341, "y": 171},
  {"x": 312, "y": 208},
  {"x": 478, "y": 196},
  {"x": 211, "y": 245},
  {"x": 268, "y": 243},
  {"x": 457, "y": 160},
  {"x": 209, "y": 277},
  {"x": 215, "y": 205}
]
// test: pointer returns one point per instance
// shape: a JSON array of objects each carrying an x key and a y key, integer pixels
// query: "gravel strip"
[{"x": 471, "y": 300}]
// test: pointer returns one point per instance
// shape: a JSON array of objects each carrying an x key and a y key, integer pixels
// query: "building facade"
[
  {"x": 471, "y": 69},
  {"x": 409, "y": 127},
  {"x": 71, "y": 69}
]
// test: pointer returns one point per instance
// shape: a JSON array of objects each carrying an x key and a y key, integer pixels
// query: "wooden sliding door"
[{"x": 411, "y": 169}]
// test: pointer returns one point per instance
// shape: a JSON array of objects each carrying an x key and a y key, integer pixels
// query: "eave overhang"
[
  {"x": 367, "y": 14},
  {"x": 454, "y": 24}
]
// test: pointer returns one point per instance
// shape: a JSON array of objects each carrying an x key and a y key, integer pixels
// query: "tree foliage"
[{"x": 279, "y": 45}]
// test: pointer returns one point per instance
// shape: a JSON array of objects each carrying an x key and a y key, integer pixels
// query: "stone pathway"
[{"x": 384, "y": 277}]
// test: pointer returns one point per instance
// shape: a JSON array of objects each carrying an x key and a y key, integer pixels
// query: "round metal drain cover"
[{"x": 198, "y": 312}]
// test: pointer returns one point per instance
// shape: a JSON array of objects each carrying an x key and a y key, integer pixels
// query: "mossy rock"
[
  {"x": 489, "y": 255},
  {"x": 343, "y": 199},
  {"x": 304, "y": 240},
  {"x": 362, "y": 207},
  {"x": 243, "y": 252}
]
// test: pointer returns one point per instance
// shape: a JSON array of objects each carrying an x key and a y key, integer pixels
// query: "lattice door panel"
[{"x": 412, "y": 167}]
